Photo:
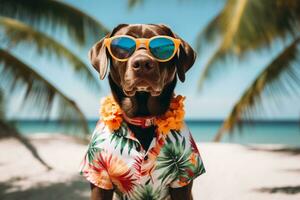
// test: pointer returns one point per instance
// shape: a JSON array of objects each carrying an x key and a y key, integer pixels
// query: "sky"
[{"x": 186, "y": 18}]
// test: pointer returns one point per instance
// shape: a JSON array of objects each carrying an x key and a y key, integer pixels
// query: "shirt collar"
[{"x": 125, "y": 131}]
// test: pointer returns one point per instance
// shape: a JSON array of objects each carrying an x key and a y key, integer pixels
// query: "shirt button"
[{"x": 146, "y": 157}]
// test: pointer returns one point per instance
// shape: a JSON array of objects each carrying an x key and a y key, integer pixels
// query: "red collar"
[{"x": 144, "y": 122}]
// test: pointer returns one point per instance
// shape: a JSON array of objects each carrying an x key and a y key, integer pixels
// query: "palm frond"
[
  {"x": 281, "y": 76},
  {"x": 40, "y": 93},
  {"x": 2, "y": 104},
  {"x": 8, "y": 130},
  {"x": 16, "y": 32},
  {"x": 210, "y": 32},
  {"x": 55, "y": 14},
  {"x": 228, "y": 33},
  {"x": 245, "y": 26},
  {"x": 132, "y": 3}
]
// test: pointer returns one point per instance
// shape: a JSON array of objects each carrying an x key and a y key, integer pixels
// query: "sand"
[{"x": 234, "y": 172}]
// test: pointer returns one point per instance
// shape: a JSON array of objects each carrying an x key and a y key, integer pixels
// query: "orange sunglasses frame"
[{"x": 139, "y": 41}]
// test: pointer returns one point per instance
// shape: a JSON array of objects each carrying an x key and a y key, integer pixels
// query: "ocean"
[{"x": 260, "y": 132}]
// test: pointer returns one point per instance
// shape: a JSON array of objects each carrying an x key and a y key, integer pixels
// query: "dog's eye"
[
  {"x": 162, "y": 48},
  {"x": 122, "y": 47}
]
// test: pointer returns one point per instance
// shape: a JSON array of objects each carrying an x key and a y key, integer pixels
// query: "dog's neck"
[{"x": 142, "y": 105}]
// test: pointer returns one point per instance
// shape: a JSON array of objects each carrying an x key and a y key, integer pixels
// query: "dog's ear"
[
  {"x": 186, "y": 56},
  {"x": 98, "y": 55}
]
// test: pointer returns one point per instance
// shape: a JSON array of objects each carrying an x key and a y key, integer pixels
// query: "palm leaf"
[
  {"x": 133, "y": 3},
  {"x": 18, "y": 33},
  {"x": 57, "y": 15},
  {"x": 228, "y": 34},
  {"x": 8, "y": 130},
  {"x": 2, "y": 104},
  {"x": 245, "y": 26},
  {"x": 39, "y": 92},
  {"x": 281, "y": 75}
]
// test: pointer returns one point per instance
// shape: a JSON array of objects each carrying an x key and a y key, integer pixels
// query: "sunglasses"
[{"x": 121, "y": 47}]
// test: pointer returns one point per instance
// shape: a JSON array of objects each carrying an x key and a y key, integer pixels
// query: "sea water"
[{"x": 262, "y": 132}]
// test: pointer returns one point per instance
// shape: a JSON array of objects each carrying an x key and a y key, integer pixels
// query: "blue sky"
[{"x": 186, "y": 18}]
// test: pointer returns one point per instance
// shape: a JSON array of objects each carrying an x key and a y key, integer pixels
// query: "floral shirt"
[{"x": 116, "y": 160}]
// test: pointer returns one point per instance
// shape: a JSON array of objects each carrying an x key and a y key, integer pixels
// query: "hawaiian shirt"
[{"x": 116, "y": 160}]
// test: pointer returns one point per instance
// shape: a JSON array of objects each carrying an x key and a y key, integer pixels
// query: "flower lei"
[{"x": 172, "y": 119}]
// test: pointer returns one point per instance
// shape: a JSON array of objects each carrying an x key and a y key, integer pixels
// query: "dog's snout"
[{"x": 143, "y": 64}]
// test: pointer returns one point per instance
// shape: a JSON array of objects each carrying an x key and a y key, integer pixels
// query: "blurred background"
[{"x": 242, "y": 94}]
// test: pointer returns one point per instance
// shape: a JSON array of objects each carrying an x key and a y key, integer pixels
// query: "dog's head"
[{"x": 142, "y": 74}]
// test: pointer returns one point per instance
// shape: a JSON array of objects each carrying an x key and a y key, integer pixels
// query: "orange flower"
[
  {"x": 118, "y": 171},
  {"x": 111, "y": 115},
  {"x": 100, "y": 179},
  {"x": 173, "y": 118}
]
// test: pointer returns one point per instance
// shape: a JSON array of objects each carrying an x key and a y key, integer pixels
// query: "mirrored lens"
[
  {"x": 162, "y": 48},
  {"x": 122, "y": 47}
]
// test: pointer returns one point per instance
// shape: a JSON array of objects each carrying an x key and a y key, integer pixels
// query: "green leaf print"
[
  {"x": 123, "y": 144},
  {"x": 119, "y": 138},
  {"x": 174, "y": 161},
  {"x": 176, "y": 135},
  {"x": 130, "y": 145},
  {"x": 94, "y": 146},
  {"x": 146, "y": 192}
]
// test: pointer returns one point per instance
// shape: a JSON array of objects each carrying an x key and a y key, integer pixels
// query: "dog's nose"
[{"x": 143, "y": 64}]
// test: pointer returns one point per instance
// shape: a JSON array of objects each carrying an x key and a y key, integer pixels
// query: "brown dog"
[{"x": 142, "y": 86}]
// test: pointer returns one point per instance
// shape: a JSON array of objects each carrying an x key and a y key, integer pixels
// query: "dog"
[{"x": 143, "y": 86}]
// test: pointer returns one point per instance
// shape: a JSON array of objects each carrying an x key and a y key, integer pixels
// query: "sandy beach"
[{"x": 234, "y": 172}]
